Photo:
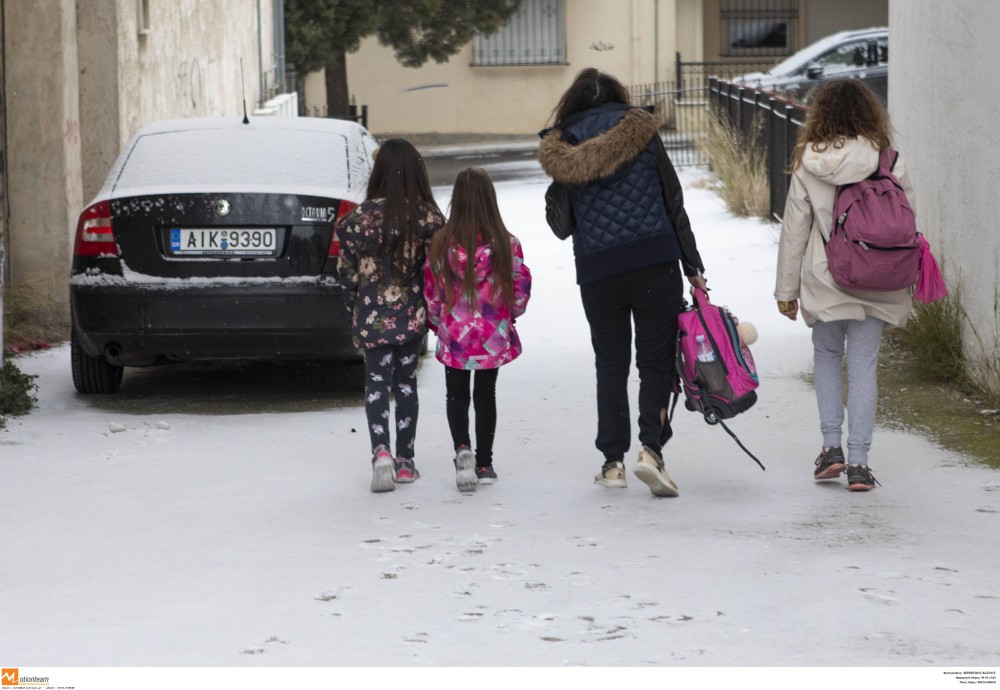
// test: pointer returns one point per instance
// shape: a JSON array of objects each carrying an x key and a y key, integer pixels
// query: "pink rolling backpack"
[{"x": 714, "y": 366}]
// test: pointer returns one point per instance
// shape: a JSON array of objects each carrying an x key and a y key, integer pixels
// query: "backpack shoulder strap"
[{"x": 887, "y": 160}]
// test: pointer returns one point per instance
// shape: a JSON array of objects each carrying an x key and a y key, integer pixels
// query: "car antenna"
[{"x": 246, "y": 120}]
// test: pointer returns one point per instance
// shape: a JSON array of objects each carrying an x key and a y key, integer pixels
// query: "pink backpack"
[
  {"x": 722, "y": 382},
  {"x": 873, "y": 242}
]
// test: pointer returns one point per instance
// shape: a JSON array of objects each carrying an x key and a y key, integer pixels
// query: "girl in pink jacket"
[{"x": 476, "y": 285}]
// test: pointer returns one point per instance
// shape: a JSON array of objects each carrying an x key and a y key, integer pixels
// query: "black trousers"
[
  {"x": 651, "y": 297},
  {"x": 483, "y": 398}
]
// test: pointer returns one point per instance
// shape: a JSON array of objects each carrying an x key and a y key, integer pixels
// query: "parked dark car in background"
[
  {"x": 213, "y": 239},
  {"x": 862, "y": 54}
]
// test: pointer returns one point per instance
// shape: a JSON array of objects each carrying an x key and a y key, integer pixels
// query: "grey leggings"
[{"x": 862, "y": 340}]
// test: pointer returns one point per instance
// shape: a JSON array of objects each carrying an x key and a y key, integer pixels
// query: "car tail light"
[
  {"x": 94, "y": 236},
  {"x": 342, "y": 210}
]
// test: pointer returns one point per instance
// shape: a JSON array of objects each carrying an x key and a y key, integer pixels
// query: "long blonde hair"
[{"x": 844, "y": 108}]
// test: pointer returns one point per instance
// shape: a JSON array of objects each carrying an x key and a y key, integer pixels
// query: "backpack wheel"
[{"x": 711, "y": 416}]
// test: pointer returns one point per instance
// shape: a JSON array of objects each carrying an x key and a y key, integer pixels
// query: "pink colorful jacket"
[{"x": 480, "y": 335}]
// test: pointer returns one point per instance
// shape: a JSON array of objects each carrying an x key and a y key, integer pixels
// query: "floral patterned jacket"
[
  {"x": 480, "y": 335},
  {"x": 382, "y": 313}
]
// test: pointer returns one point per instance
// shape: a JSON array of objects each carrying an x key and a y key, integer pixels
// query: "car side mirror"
[{"x": 814, "y": 71}]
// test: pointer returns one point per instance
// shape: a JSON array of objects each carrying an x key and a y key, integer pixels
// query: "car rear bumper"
[{"x": 140, "y": 326}]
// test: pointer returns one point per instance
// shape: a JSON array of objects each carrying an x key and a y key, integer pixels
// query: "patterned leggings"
[{"x": 388, "y": 369}]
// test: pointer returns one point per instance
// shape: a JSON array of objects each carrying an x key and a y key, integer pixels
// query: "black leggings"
[
  {"x": 484, "y": 397},
  {"x": 392, "y": 370}
]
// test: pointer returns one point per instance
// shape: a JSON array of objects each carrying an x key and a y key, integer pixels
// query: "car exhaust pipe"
[{"x": 112, "y": 351}]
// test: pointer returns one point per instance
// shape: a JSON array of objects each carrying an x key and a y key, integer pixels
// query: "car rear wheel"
[{"x": 94, "y": 374}]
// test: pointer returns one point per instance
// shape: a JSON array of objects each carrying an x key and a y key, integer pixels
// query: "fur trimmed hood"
[{"x": 601, "y": 155}]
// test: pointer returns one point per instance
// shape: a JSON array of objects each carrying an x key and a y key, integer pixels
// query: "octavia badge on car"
[{"x": 222, "y": 207}]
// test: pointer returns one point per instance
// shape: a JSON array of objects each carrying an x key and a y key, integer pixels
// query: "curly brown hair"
[{"x": 843, "y": 108}]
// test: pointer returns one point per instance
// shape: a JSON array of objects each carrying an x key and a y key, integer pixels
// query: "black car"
[
  {"x": 213, "y": 239},
  {"x": 861, "y": 54}
]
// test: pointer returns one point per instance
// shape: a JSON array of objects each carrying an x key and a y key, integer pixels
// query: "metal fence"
[
  {"x": 765, "y": 120},
  {"x": 682, "y": 104}
]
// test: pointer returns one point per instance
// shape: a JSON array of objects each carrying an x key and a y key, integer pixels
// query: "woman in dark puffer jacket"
[{"x": 616, "y": 193}]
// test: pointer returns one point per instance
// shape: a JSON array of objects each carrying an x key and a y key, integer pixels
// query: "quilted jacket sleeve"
[{"x": 673, "y": 197}]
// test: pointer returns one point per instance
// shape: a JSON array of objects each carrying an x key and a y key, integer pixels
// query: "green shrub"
[
  {"x": 933, "y": 337},
  {"x": 16, "y": 392}
]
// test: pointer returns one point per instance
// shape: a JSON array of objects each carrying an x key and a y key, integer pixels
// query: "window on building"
[
  {"x": 535, "y": 35},
  {"x": 758, "y": 27}
]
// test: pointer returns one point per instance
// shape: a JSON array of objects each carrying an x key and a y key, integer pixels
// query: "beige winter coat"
[{"x": 802, "y": 268}]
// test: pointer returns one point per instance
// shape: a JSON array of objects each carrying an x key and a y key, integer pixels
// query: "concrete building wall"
[
  {"x": 633, "y": 40},
  {"x": 81, "y": 76},
  {"x": 945, "y": 124},
  {"x": 43, "y": 160}
]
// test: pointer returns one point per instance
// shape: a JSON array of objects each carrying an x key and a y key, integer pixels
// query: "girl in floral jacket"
[
  {"x": 476, "y": 285},
  {"x": 383, "y": 246}
]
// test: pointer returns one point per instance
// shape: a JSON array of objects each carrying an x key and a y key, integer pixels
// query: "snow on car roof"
[
  {"x": 814, "y": 50},
  {"x": 290, "y": 155}
]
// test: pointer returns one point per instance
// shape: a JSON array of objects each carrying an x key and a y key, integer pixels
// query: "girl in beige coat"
[{"x": 839, "y": 143}]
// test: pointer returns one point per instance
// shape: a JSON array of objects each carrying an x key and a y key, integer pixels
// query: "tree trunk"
[{"x": 337, "y": 100}]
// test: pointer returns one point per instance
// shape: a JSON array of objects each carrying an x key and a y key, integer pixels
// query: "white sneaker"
[
  {"x": 465, "y": 470},
  {"x": 382, "y": 471},
  {"x": 650, "y": 470},
  {"x": 612, "y": 475}
]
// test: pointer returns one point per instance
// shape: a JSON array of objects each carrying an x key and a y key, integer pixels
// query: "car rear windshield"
[{"x": 215, "y": 159}]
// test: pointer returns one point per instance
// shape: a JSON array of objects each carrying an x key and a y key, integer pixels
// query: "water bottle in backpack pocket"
[{"x": 715, "y": 369}]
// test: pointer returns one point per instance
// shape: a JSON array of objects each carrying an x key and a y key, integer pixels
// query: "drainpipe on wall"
[
  {"x": 656, "y": 41},
  {"x": 635, "y": 41},
  {"x": 279, "y": 46},
  {"x": 260, "y": 58}
]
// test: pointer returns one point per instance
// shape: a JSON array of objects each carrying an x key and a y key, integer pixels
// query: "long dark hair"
[
  {"x": 474, "y": 214},
  {"x": 843, "y": 108},
  {"x": 590, "y": 89},
  {"x": 400, "y": 177}
]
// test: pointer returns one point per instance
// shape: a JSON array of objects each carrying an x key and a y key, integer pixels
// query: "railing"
[
  {"x": 355, "y": 113},
  {"x": 682, "y": 104},
  {"x": 695, "y": 75},
  {"x": 766, "y": 120},
  {"x": 682, "y": 120}
]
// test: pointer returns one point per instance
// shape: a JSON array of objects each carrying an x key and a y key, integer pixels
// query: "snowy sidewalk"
[{"x": 181, "y": 539}]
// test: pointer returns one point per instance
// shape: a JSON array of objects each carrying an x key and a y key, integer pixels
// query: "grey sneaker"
[
  {"x": 382, "y": 471},
  {"x": 829, "y": 464},
  {"x": 652, "y": 472},
  {"x": 860, "y": 478},
  {"x": 465, "y": 470},
  {"x": 612, "y": 474}
]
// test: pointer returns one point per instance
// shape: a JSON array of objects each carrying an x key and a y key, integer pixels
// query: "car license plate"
[{"x": 223, "y": 242}]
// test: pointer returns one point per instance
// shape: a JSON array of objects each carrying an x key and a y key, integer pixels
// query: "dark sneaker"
[
  {"x": 612, "y": 474},
  {"x": 860, "y": 478},
  {"x": 652, "y": 472},
  {"x": 829, "y": 464},
  {"x": 486, "y": 475},
  {"x": 406, "y": 471},
  {"x": 465, "y": 470},
  {"x": 382, "y": 470}
]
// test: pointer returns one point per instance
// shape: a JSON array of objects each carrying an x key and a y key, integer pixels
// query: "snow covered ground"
[{"x": 149, "y": 535}]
